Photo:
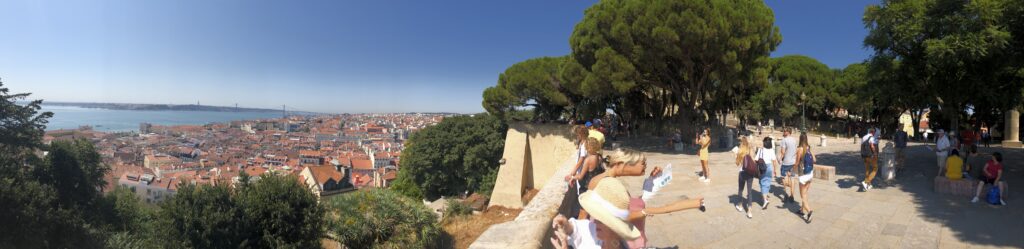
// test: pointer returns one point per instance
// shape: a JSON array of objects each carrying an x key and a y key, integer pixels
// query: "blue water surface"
[{"x": 71, "y": 117}]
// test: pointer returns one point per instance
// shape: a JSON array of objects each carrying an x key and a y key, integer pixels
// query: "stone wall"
[{"x": 533, "y": 152}]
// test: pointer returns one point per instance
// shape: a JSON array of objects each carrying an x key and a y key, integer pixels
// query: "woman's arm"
[
  {"x": 572, "y": 174},
  {"x": 671, "y": 207}
]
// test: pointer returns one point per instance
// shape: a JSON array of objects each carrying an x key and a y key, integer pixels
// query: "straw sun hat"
[{"x": 609, "y": 204}]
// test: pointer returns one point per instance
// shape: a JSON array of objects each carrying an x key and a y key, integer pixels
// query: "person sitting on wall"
[{"x": 954, "y": 166}]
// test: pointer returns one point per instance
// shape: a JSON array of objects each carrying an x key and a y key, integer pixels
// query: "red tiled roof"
[{"x": 362, "y": 164}]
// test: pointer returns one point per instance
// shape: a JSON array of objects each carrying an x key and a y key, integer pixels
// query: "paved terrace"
[{"x": 905, "y": 214}]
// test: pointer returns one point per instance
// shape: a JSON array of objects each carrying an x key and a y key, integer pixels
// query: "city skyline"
[{"x": 323, "y": 56}]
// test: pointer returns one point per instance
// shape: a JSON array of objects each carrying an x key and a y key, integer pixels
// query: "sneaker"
[
  {"x": 765, "y": 205},
  {"x": 870, "y": 186},
  {"x": 1002, "y": 202},
  {"x": 749, "y": 215},
  {"x": 864, "y": 186},
  {"x": 807, "y": 218},
  {"x": 739, "y": 208},
  {"x": 702, "y": 178},
  {"x": 975, "y": 200},
  {"x": 702, "y": 208}
]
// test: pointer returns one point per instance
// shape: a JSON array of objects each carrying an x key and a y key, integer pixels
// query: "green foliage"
[
  {"x": 275, "y": 212},
  {"x": 74, "y": 170},
  {"x": 456, "y": 155},
  {"x": 534, "y": 82},
  {"x": 279, "y": 212},
  {"x": 455, "y": 207},
  {"x": 381, "y": 218},
  {"x": 948, "y": 53},
  {"x": 790, "y": 77},
  {"x": 21, "y": 130},
  {"x": 699, "y": 55},
  {"x": 203, "y": 217}
]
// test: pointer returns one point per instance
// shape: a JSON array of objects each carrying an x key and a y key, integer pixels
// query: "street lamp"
[{"x": 803, "y": 112}]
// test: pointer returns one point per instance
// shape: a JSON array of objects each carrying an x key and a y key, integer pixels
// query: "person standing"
[
  {"x": 595, "y": 133},
  {"x": 806, "y": 161},
  {"x": 592, "y": 166},
  {"x": 581, "y": 156},
  {"x": 788, "y": 154},
  {"x": 986, "y": 136},
  {"x": 869, "y": 151},
  {"x": 745, "y": 179},
  {"x": 704, "y": 140},
  {"x": 900, "y": 139},
  {"x": 941, "y": 149},
  {"x": 767, "y": 154}
]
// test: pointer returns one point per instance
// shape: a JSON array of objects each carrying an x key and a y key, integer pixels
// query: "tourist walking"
[
  {"x": 941, "y": 149},
  {"x": 788, "y": 153},
  {"x": 869, "y": 152},
  {"x": 993, "y": 174},
  {"x": 607, "y": 204},
  {"x": 745, "y": 176},
  {"x": 805, "y": 160},
  {"x": 986, "y": 136},
  {"x": 766, "y": 154},
  {"x": 900, "y": 140},
  {"x": 704, "y": 140}
]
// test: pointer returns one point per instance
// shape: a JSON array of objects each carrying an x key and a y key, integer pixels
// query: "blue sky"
[{"x": 327, "y": 56}]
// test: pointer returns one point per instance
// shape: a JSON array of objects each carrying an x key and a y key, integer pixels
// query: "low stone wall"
[
  {"x": 533, "y": 225},
  {"x": 532, "y": 154}
]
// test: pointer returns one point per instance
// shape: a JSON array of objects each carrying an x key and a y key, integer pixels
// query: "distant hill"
[{"x": 160, "y": 107}]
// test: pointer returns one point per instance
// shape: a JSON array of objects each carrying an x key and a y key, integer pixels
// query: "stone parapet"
[{"x": 533, "y": 225}]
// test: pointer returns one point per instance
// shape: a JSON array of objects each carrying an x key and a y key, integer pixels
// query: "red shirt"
[{"x": 992, "y": 168}]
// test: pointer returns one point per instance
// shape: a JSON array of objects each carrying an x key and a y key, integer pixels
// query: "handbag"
[
  {"x": 993, "y": 195},
  {"x": 749, "y": 166},
  {"x": 762, "y": 167}
]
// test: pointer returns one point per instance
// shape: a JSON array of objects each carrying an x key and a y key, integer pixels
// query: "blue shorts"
[{"x": 786, "y": 170}]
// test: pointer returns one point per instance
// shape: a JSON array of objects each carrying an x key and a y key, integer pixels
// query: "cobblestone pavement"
[{"x": 904, "y": 214}]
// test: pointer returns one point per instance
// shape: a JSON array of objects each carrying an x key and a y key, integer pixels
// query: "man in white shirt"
[
  {"x": 870, "y": 142},
  {"x": 942, "y": 147}
]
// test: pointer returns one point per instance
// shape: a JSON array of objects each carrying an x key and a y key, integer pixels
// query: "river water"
[{"x": 71, "y": 117}]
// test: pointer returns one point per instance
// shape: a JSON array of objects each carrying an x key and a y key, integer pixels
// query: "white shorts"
[{"x": 804, "y": 179}]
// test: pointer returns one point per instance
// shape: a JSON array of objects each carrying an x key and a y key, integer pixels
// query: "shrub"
[{"x": 381, "y": 218}]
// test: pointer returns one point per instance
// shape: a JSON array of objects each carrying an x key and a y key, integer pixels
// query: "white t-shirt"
[
  {"x": 942, "y": 145},
  {"x": 584, "y": 234},
  {"x": 768, "y": 155},
  {"x": 871, "y": 138}
]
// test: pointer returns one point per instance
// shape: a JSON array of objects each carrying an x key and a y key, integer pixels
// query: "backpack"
[
  {"x": 762, "y": 167},
  {"x": 865, "y": 148},
  {"x": 749, "y": 166},
  {"x": 993, "y": 195},
  {"x": 808, "y": 162}
]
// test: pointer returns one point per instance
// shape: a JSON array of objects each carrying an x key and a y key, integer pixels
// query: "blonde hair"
[
  {"x": 744, "y": 149},
  {"x": 581, "y": 131},
  {"x": 626, "y": 156},
  {"x": 594, "y": 146}
]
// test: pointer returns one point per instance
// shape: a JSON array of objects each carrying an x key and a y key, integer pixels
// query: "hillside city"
[{"x": 331, "y": 154}]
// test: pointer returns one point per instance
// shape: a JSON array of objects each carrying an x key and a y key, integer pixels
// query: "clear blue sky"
[{"x": 328, "y": 56}]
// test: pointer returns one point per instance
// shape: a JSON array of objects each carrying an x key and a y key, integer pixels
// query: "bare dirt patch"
[{"x": 465, "y": 229}]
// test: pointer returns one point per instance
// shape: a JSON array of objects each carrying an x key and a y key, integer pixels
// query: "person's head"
[
  {"x": 787, "y": 131},
  {"x": 954, "y": 152},
  {"x": 872, "y": 130},
  {"x": 707, "y": 131},
  {"x": 803, "y": 140},
  {"x": 608, "y": 204},
  {"x": 581, "y": 133},
  {"x": 940, "y": 132},
  {"x": 589, "y": 125},
  {"x": 767, "y": 142},
  {"x": 973, "y": 150},
  {"x": 594, "y": 146},
  {"x": 743, "y": 149},
  {"x": 997, "y": 156},
  {"x": 632, "y": 162}
]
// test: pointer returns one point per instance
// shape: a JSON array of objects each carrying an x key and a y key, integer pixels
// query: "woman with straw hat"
[
  {"x": 626, "y": 162},
  {"x": 607, "y": 228}
]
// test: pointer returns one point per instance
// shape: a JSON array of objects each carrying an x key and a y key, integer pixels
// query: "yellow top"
[
  {"x": 597, "y": 135},
  {"x": 954, "y": 167}
]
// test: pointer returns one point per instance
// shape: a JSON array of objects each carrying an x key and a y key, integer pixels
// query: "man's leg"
[{"x": 872, "y": 170}]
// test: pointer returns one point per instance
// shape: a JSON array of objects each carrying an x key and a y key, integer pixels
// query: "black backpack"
[
  {"x": 762, "y": 167},
  {"x": 865, "y": 148}
]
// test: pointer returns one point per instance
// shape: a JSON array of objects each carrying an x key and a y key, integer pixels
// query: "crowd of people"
[{"x": 603, "y": 213}]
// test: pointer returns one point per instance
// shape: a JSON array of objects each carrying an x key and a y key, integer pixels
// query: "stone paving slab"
[{"x": 904, "y": 214}]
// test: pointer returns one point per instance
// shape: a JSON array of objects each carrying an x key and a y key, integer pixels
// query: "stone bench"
[
  {"x": 960, "y": 187},
  {"x": 822, "y": 172}
]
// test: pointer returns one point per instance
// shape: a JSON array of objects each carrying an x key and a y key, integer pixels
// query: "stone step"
[
  {"x": 959, "y": 187},
  {"x": 823, "y": 172}
]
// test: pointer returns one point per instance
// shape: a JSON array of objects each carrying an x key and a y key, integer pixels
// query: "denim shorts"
[{"x": 786, "y": 169}]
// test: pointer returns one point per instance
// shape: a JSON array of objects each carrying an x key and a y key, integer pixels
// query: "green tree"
[
  {"x": 74, "y": 169},
  {"x": 456, "y": 155},
  {"x": 699, "y": 56},
  {"x": 279, "y": 212},
  {"x": 536, "y": 83},
  {"x": 21, "y": 131},
  {"x": 790, "y": 77},
  {"x": 381, "y": 218},
  {"x": 202, "y": 216},
  {"x": 951, "y": 54}
]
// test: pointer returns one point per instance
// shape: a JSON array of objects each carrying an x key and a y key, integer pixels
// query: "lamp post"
[{"x": 803, "y": 112}]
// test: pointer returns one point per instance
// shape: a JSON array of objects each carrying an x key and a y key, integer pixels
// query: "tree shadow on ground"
[{"x": 972, "y": 223}]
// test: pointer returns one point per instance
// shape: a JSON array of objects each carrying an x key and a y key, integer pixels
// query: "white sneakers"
[{"x": 1001, "y": 201}]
